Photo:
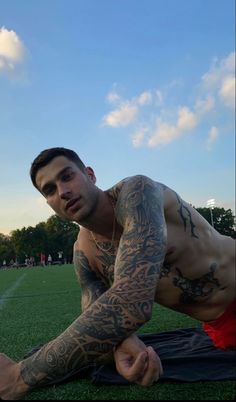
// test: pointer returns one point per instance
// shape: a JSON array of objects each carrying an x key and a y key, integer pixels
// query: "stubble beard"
[{"x": 87, "y": 217}]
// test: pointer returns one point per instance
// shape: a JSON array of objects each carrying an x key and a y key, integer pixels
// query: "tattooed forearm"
[
  {"x": 90, "y": 338},
  {"x": 186, "y": 216}
]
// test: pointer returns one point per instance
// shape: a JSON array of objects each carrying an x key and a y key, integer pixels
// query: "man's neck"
[{"x": 101, "y": 218}]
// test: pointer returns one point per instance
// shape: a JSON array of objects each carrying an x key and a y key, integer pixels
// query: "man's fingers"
[
  {"x": 154, "y": 369},
  {"x": 143, "y": 369},
  {"x": 160, "y": 364},
  {"x": 138, "y": 367}
]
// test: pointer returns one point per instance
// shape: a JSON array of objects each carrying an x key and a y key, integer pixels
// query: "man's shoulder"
[
  {"x": 131, "y": 181},
  {"x": 140, "y": 182},
  {"x": 83, "y": 239},
  {"x": 138, "y": 191}
]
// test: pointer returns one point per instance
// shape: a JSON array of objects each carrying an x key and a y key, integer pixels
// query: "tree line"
[
  {"x": 222, "y": 220},
  {"x": 58, "y": 235},
  {"x": 50, "y": 237}
]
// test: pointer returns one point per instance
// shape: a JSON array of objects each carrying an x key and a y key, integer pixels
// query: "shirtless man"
[{"x": 139, "y": 243}]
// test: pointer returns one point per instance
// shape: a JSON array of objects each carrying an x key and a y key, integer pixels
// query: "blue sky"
[{"x": 134, "y": 86}]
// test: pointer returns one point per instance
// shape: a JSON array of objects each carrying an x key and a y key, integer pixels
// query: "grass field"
[{"x": 36, "y": 304}]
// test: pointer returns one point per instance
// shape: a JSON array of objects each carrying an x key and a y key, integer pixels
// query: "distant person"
[
  {"x": 42, "y": 259},
  {"x": 49, "y": 259},
  {"x": 60, "y": 257},
  {"x": 139, "y": 243}
]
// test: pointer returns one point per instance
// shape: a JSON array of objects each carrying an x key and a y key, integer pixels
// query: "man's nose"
[{"x": 64, "y": 191}]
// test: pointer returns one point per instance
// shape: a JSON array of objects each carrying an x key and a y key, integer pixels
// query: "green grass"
[{"x": 46, "y": 302}]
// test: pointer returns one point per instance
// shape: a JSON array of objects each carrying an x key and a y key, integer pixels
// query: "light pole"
[{"x": 211, "y": 205}]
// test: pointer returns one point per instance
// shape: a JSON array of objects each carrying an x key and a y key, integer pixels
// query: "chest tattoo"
[{"x": 196, "y": 288}]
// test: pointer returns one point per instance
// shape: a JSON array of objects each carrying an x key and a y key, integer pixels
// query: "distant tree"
[
  {"x": 7, "y": 251},
  {"x": 41, "y": 240},
  {"x": 61, "y": 236},
  {"x": 30, "y": 242},
  {"x": 56, "y": 234},
  {"x": 224, "y": 220},
  {"x": 18, "y": 238}
]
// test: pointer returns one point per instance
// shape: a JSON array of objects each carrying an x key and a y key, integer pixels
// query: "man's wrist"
[{"x": 21, "y": 387}]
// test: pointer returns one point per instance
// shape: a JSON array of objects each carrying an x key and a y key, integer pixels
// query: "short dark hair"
[{"x": 47, "y": 155}]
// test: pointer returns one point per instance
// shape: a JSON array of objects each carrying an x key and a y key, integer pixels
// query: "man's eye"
[
  {"x": 67, "y": 177},
  {"x": 49, "y": 191}
]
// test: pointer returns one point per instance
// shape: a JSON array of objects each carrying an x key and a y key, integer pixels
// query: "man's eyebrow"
[{"x": 59, "y": 174}]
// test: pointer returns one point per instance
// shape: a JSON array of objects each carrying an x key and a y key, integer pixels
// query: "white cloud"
[
  {"x": 221, "y": 79},
  {"x": 203, "y": 106},
  {"x": 187, "y": 120},
  {"x": 166, "y": 124},
  {"x": 144, "y": 99},
  {"x": 227, "y": 91},
  {"x": 122, "y": 116},
  {"x": 212, "y": 136},
  {"x": 218, "y": 70},
  {"x": 166, "y": 133},
  {"x": 113, "y": 97},
  {"x": 127, "y": 110},
  {"x": 159, "y": 97},
  {"x": 138, "y": 136},
  {"x": 12, "y": 50}
]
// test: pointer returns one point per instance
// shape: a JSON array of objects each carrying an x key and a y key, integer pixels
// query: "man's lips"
[{"x": 71, "y": 203}]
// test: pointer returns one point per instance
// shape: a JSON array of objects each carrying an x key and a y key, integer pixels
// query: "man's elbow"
[
  {"x": 146, "y": 313},
  {"x": 148, "y": 317},
  {"x": 135, "y": 313}
]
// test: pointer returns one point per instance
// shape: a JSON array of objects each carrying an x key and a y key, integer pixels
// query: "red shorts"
[{"x": 222, "y": 331}]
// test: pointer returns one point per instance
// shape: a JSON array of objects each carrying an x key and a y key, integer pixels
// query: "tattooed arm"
[
  {"x": 123, "y": 308},
  {"x": 91, "y": 285},
  {"x": 134, "y": 361}
]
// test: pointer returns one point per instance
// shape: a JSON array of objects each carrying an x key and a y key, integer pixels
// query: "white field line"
[{"x": 10, "y": 291}]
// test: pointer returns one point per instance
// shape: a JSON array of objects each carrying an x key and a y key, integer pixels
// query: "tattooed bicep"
[
  {"x": 92, "y": 287},
  {"x": 140, "y": 201},
  {"x": 140, "y": 210}
]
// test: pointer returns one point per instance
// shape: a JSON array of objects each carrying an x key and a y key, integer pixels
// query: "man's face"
[{"x": 70, "y": 192}]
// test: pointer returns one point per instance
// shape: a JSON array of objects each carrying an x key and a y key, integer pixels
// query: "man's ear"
[{"x": 90, "y": 173}]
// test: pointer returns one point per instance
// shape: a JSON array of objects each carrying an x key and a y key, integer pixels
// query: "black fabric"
[{"x": 186, "y": 355}]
